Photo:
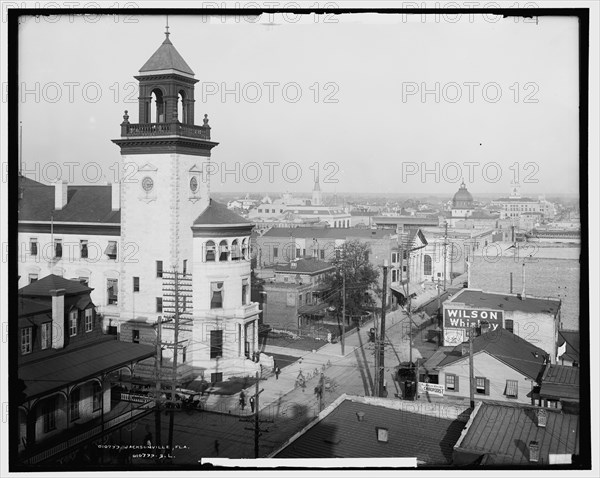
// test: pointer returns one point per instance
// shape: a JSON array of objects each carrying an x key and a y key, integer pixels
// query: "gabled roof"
[
  {"x": 166, "y": 58},
  {"x": 304, "y": 266},
  {"x": 42, "y": 287},
  {"x": 84, "y": 204},
  {"x": 217, "y": 214},
  {"x": 506, "y": 347},
  {"x": 560, "y": 382}
]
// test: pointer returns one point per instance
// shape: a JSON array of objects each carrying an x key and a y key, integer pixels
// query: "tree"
[{"x": 352, "y": 262}]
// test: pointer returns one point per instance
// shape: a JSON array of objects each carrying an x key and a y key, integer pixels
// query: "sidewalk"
[{"x": 311, "y": 364}]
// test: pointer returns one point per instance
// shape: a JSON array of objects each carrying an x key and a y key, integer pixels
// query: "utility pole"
[
  {"x": 382, "y": 333},
  {"x": 445, "y": 250},
  {"x": 256, "y": 419},
  {"x": 157, "y": 394},
  {"x": 471, "y": 376},
  {"x": 343, "y": 312}
]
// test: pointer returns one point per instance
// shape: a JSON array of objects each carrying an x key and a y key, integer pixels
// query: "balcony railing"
[{"x": 165, "y": 129}]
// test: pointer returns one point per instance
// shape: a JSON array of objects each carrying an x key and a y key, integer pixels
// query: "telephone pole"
[
  {"x": 343, "y": 312},
  {"x": 256, "y": 419},
  {"x": 471, "y": 375},
  {"x": 382, "y": 333},
  {"x": 445, "y": 250}
]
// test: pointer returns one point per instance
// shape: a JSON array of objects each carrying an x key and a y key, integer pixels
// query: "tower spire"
[{"x": 167, "y": 28}]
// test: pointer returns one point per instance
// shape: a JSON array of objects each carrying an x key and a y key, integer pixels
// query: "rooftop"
[
  {"x": 42, "y": 287},
  {"x": 500, "y": 433},
  {"x": 166, "y": 58},
  {"x": 571, "y": 337},
  {"x": 54, "y": 373},
  {"x": 339, "y": 434},
  {"x": 506, "y": 347},
  {"x": 217, "y": 214},
  {"x": 560, "y": 382},
  {"x": 90, "y": 204},
  {"x": 507, "y": 302},
  {"x": 327, "y": 233},
  {"x": 304, "y": 266}
]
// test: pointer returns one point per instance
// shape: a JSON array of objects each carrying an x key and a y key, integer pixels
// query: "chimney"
[
  {"x": 542, "y": 418},
  {"x": 115, "y": 195},
  {"x": 534, "y": 451},
  {"x": 60, "y": 195},
  {"x": 58, "y": 318}
]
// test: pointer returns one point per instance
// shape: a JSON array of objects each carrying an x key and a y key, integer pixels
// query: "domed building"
[{"x": 462, "y": 203}]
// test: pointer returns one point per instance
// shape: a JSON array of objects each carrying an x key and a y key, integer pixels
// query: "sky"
[{"x": 375, "y": 103}]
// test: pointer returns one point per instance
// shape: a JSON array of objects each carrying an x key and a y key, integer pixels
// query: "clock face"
[
  {"x": 147, "y": 184},
  {"x": 194, "y": 184}
]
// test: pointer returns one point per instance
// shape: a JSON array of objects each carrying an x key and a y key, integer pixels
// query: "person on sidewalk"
[
  {"x": 242, "y": 400},
  {"x": 252, "y": 404},
  {"x": 217, "y": 447},
  {"x": 277, "y": 372}
]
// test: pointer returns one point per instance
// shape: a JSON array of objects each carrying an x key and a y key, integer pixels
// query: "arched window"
[
  {"x": 223, "y": 251},
  {"x": 181, "y": 108},
  {"x": 210, "y": 251},
  {"x": 245, "y": 249},
  {"x": 235, "y": 251},
  {"x": 158, "y": 112},
  {"x": 427, "y": 265}
]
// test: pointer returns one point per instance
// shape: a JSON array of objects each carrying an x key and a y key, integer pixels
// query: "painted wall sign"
[{"x": 466, "y": 318}]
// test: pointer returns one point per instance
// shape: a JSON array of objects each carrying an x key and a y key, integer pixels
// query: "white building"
[{"x": 125, "y": 239}]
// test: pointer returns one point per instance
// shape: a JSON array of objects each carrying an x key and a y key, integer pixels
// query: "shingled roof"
[
  {"x": 218, "y": 214},
  {"x": 166, "y": 58},
  {"x": 508, "y": 302},
  {"x": 42, "y": 287},
  {"x": 84, "y": 204},
  {"x": 506, "y": 347}
]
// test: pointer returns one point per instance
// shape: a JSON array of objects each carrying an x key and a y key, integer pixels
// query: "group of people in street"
[{"x": 251, "y": 400}]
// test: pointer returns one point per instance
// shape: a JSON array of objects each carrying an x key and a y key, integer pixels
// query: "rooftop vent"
[{"x": 360, "y": 416}]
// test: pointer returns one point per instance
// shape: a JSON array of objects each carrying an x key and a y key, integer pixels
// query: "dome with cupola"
[{"x": 462, "y": 199}]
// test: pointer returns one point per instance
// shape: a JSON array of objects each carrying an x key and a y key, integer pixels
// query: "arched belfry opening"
[
  {"x": 181, "y": 107},
  {"x": 157, "y": 107}
]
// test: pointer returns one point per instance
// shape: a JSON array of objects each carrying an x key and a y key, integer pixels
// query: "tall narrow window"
[
  {"x": 482, "y": 385},
  {"x": 216, "y": 299},
  {"x": 89, "y": 319},
  {"x": 46, "y": 335},
  {"x": 159, "y": 268},
  {"x": 135, "y": 336},
  {"x": 73, "y": 323},
  {"x": 33, "y": 246},
  {"x": 184, "y": 266},
  {"x": 74, "y": 404},
  {"x": 509, "y": 325},
  {"x": 235, "y": 251},
  {"x": 451, "y": 383},
  {"x": 275, "y": 252},
  {"x": 96, "y": 396},
  {"x": 159, "y": 304},
  {"x": 26, "y": 333},
  {"x": 210, "y": 251},
  {"x": 83, "y": 249},
  {"x": 136, "y": 284},
  {"x": 216, "y": 343},
  {"x": 223, "y": 251},
  {"x": 244, "y": 249},
  {"x": 112, "y": 290},
  {"x": 427, "y": 265},
  {"x": 58, "y": 248},
  {"x": 49, "y": 414},
  {"x": 245, "y": 288},
  {"x": 111, "y": 250}
]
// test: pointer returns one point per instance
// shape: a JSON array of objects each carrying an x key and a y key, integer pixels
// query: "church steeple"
[{"x": 317, "y": 199}]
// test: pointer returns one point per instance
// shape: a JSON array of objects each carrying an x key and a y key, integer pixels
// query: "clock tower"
[{"x": 162, "y": 186}]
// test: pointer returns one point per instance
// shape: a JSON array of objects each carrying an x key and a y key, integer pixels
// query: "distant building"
[
  {"x": 531, "y": 318},
  {"x": 502, "y": 434},
  {"x": 369, "y": 427},
  {"x": 525, "y": 212},
  {"x": 67, "y": 366}
]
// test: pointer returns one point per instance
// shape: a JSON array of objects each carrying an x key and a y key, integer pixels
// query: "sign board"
[
  {"x": 467, "y": 318},
  {"x": 433, "y": 388}
]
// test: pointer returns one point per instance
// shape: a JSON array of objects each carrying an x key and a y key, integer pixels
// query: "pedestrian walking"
[
  {"x": 217, "y": 447},
  {"x": 242, "y": 400},
  {"x": 277, "y": 372},
  {"x": 252, "y": 404}
]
